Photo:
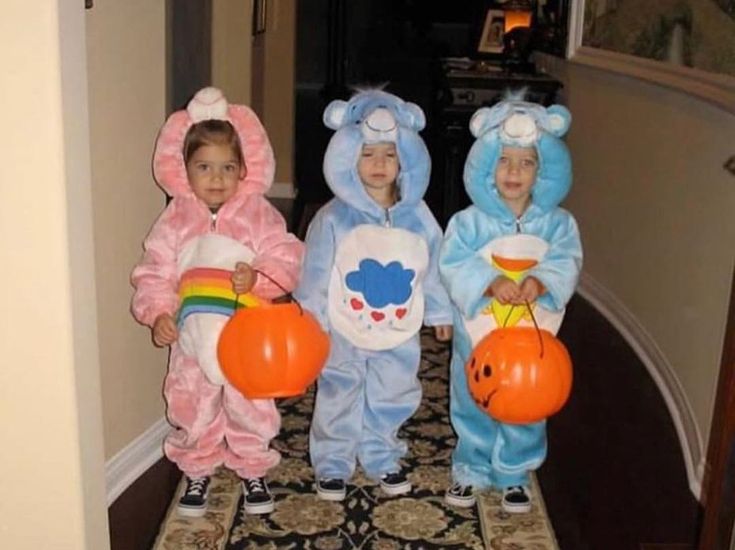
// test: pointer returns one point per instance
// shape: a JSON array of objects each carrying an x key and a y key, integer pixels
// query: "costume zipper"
[
  {"x": 387, "y": 218},
  {"x": 214, "y": 221},
  {"x": 518, "y": 224}
]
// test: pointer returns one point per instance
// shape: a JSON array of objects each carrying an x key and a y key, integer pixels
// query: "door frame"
[{"x": 719, "y": 475}]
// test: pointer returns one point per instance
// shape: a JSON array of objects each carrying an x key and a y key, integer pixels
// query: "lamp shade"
[{"x": 518, "y": 13}]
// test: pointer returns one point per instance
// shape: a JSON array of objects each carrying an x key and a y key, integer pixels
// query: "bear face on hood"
[
  {"x": 517, "y": 123},
  {"x": 375, "y": 116},
  {"x": 207, "y": 104}
]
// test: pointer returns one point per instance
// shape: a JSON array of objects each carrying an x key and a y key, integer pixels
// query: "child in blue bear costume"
[
  {"x": 512, "y": 250},
  {"x": 370, "y": 276}
]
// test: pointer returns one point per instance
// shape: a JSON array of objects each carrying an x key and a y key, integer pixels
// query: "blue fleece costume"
[
  {"x": 371, "y": 277},
  {"x": 490, "y": 453}
]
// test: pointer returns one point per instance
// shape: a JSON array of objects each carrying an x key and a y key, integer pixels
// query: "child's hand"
[
  {"x": 504, "y": 290},
  {"x": 531, "y": 288},
  {"x": 243, "y": 278},
  {"x": 164, "y": 330},
  {"x": 443, "y": 333}
]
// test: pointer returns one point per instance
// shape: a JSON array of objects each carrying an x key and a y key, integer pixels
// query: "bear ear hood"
[
  {"x": 207, "y": 104},
  {"x": 375, "y": 116},
  {"x": 516, "y": 123}
]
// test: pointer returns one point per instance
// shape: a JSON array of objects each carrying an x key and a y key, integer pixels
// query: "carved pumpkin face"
[
  {"x": 274, "y": 350},
  {"x": 513, "y": 380}
]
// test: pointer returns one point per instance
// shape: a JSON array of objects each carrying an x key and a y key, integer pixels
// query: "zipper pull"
[
  {"x": 518, "y": 224},
  {"x": 387, "y": 218},
  {"x": 214, "y": 221}
]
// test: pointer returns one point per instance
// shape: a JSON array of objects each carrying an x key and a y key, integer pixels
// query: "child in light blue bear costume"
[
  {"x": 513, "y": 250},
  {"x": 371, "y": 278}
]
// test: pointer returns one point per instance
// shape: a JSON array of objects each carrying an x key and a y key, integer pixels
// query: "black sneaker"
[
  {"x": 516, "y": 500},
  {"x": 193, "y": 502},
  {"x": 257, "y": 498},
  {"x": 329, "y": 488},
  {"x": 461, "y": 496},
  {"x": 395, "y": 483}
]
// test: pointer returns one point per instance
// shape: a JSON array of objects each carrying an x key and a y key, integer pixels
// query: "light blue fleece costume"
[
  {"x": 371, "y": 278},
  {"x": 491, "y": 453}
]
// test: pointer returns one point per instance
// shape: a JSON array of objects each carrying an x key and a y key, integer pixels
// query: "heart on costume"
[
  {"x": 400, "y": 312},
  {"x": 356, "y": 304},
  {"x": 377, "y": 315}
]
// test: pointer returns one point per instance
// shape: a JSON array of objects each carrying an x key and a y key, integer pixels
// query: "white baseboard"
[
  {"x": 281, "y": 190},
  {"x": 131, "y": 462},
  {"x": 660, "y": 370}
]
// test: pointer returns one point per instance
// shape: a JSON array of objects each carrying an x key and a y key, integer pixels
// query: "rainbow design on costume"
[{"x": 209, "y": 290}]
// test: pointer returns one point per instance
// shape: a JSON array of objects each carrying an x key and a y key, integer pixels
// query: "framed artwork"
[
  {"x": 683, "y": 44},
  {"x": 260, "y": 16},
  {"x": 491, "y": 38}
]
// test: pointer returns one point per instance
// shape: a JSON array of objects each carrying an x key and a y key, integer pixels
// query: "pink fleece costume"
[{"x": 214, "y": 423}]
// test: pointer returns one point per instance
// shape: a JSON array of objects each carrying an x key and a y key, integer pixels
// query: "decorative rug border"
[{"x": 496, "y": 525}]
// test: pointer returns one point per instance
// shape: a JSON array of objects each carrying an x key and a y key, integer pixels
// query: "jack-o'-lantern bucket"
[{"x": 519, "y": 375}]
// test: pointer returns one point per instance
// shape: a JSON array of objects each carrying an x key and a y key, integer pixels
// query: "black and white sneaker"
[
  {"x": 460, "y": 496},
  {"x": 329, "y": 488},
  {"x": 395, "y": 483},
  {"x": 516, "y": 500},
  {"x": 193, "y": 502},
  {"x": 257, "y": 499}
]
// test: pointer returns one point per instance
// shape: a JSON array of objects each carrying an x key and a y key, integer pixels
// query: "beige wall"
[
  {"x": 52, "y": 471},
  {"x": 245, "y": 67},
  {"x": 232, "y": 48},
  {"x": 126, "y": 52},
  {"x": 655, "y": 209},
  {"x": 277, "y": 83}
]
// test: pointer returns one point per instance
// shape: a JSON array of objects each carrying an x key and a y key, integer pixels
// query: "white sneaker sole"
[
  {"x": 460, "y": 502},
  {"x": 257, "y": 509},
  {"x": 332, "y": 496},
  {"x": 187, "y": 512},
  {"x": 516, "y": 508},
  {"x": 396, "y": 490}
]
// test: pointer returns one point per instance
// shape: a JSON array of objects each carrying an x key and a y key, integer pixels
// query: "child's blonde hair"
[{"x": 212, "y": 132}]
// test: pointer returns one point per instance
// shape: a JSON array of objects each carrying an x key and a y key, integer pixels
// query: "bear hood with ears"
[
  {"x": 517, "y": 123},
  {"x": 207, "y": 104},
  {"x": 374, "y": 116}
]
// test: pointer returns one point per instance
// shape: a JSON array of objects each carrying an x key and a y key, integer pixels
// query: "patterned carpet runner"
[{"x": 366, "y": 519}]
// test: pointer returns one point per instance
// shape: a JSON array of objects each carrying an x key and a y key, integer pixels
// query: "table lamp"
[{"x": 517, "y": 34}]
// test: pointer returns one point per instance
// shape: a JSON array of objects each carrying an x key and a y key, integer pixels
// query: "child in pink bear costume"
[{"x": 203, "y": 258}]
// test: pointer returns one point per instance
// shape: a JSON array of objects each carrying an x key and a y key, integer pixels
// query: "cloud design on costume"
[{"x": 381, "y": 285}]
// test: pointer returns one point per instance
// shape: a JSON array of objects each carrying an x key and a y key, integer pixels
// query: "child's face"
[
  {"x": 515, "y": 175},
  {"x": 378, "y": 166},
  {"x": 214, "y": 172}
]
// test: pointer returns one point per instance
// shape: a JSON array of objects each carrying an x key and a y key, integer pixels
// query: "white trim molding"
[
  {"x": 132, "y": 461},
  {"x": 636, "y": 335}
]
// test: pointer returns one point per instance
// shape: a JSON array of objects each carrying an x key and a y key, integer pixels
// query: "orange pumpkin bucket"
[
  {"x": 519, "y": 375},
  {"x": 273, "y": 350}
]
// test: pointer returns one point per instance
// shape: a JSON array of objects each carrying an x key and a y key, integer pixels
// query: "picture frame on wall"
[
  {"x": 673, "y": 48},
  {"x": 491, "y": 38},
  {"x": 260, "y": 16}
]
